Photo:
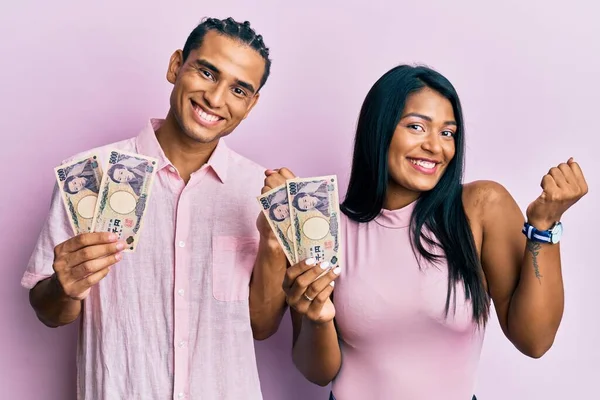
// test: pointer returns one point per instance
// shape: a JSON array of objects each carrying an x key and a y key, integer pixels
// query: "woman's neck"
[{"x": 397, "y": 197}]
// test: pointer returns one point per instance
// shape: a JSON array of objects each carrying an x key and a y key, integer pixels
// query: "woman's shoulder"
[
  {"x": 480, "y": 194},
  {"x": 346, "y": 223}
]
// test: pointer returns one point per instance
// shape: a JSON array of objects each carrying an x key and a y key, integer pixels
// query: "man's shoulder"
[{"x": 102, "y": 152}]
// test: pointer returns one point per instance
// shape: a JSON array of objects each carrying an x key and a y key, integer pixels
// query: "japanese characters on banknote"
[
  {"x": 78, "y": 183},
  {"x": 315, "y": 216},
  {"x": 304, "y": 213},
  {"x": 307, "y": 222},
  {"x": 124, "y": 194},
  {"x": 277, "y": 212},
  {"x": 107, "y": 201}
]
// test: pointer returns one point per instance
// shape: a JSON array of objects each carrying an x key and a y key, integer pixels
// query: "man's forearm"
[
  {"x": 52, "y": 307},
  {"x": 267, "y": 299}
]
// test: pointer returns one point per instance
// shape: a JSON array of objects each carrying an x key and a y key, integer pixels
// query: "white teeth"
[
  {"x": 205, "y": 116},
  {"x": 424, "y": 164}
]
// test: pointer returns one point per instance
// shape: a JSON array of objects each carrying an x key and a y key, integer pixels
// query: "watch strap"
[{"x": 536, "y": 235}]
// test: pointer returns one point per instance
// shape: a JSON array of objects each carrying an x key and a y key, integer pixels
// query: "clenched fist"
[{"x": 562, "y": 187}]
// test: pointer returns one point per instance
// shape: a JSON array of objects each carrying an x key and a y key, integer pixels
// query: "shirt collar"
[
  {"x": 147, "y": 144},
  {"x": 219, "y": 160}
]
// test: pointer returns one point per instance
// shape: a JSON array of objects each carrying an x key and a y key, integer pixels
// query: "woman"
[{"x": 425, "y": 255}]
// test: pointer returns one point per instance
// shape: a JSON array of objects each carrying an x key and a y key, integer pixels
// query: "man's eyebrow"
[{"x": 203, "y": 63}]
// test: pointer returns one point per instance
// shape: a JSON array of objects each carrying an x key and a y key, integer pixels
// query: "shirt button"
[
  {"x": 172, "y": 169},
  {"x": 180, "y": 292},
  {"x": 181, "y": 243},
  {"x": 181, "y": 344},
  {"x": 181, "y": 395}
]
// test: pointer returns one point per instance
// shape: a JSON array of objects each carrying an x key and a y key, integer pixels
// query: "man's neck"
[{"x": 186, "y": 154}]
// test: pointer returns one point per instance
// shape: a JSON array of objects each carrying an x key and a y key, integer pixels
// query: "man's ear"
[{"x": 175, "y": 64}]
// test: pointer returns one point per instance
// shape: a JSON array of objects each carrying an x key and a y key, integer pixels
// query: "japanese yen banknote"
[
  {"x": 124, "y": 194},
  {"x": 306, "y": 220},
  {"x": 275, "y": 206},
  {"x": 78, "y": 183},
  {"x": 110, "y": 200}
]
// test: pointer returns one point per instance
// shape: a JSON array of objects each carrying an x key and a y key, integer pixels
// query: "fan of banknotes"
[
  {"x": 114, "y": 201},
  {"x": 304, "y": 214}
]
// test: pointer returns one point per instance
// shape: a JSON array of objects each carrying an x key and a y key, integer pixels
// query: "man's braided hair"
[{"x": 233, "y": 29}]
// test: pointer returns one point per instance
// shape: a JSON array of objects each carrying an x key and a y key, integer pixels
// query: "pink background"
[{"x": 76, "y": 76}]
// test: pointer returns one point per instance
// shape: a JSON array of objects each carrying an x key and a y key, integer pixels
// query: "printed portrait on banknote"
[
  {"x": 79, "y": 183},
  {"x": 315, "y": 218},
  {"x": 275, "y": 206},
  {"x": 124, "y": 194}
]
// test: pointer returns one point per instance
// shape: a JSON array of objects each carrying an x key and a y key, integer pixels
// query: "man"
[{"x": 177, "y": 317}]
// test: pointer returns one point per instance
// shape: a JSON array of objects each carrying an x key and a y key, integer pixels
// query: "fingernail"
[
  {"x": 324, "y": 265},
  {"x": 337, "y": 270},
  {"x": 112, "y": 237},
  {"x": 118, "y": 256},
  {"x": 120, "y": 246},
  {"x": 332, "y": 283},
  {"x": 310, "y": 261}
]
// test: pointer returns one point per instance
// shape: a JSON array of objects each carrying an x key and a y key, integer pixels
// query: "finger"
[
  {"x": 90, "y": 267},
  {"x": 92, "y": 252},
  {"x": 567, "y": 172},
  {"x": 265, "y": 189},
  {"x": 86, "y": 239},
  {"x": 286, "y": 173},
  {"x": 578, "y": 174},
  {"x": 548, "y": 185},
  {"x": 87, "y": 282},
  {"x": 558, "y": 177},
  {"x": 301, "y": 283},
  {"x": 314, "y": 310},
  {"x": 296, "y": 270},
  {"x": 274, "y": 181},
  {"x": 321, "y": 283}
]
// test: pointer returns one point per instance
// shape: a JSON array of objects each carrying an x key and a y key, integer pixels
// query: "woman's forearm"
[
  {"x": 537, "y": 304},
  {"x": 316, "y": 352}
]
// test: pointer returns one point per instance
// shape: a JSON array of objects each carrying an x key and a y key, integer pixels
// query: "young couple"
[{"x": 425, "y": 254}]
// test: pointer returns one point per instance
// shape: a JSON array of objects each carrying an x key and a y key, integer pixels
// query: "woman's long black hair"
[{"x": 439, "y": 210}]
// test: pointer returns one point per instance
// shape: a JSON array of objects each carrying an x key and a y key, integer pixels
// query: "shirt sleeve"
[{"x": 56, "y": 229}]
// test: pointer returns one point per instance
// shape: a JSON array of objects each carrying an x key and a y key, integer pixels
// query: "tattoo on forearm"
[{"x": 534, "y": 249}]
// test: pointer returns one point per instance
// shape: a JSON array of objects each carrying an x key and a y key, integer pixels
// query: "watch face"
[{"x": 556, "y": 232}]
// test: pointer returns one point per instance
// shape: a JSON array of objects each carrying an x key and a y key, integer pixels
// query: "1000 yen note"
[
  {"x": 274, "y": 204},
  {"x": 78, "y": 182},
  {"x": 124, "y": 195},
  {"x": 315, "y": 215}
]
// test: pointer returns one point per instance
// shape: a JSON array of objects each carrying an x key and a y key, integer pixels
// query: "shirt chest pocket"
[{"x": 233, "y": 260}]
